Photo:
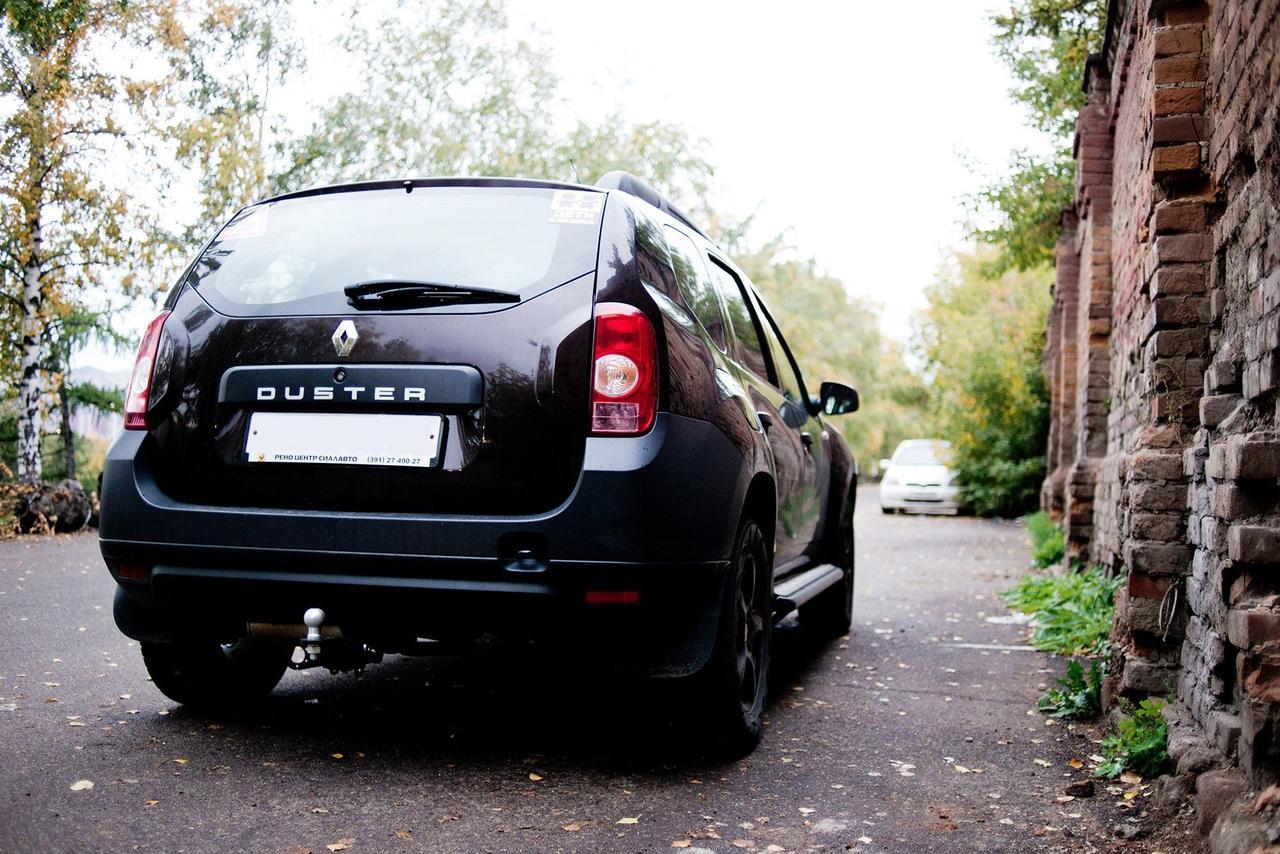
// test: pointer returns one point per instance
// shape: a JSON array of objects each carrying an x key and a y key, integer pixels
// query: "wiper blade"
[{"x": 403, "y": 293}]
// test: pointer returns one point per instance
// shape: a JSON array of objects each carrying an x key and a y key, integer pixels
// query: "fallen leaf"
[
  {"x": 806, "y": 810},
  {"x": 336, "y": 755},
  {"x": 681, "y": 843},
  {"x": 1130, "y": 777},
  {"x": 320, "y": 810},
  {"x": 76, "y": 723},
  {"x": 572, "y": 827},
  {"x": 960, "y": 769},
  {"x": 1043, "y": 763},
  {"x": 629, "y": 820},
  {"x": 865, "y": 840},
  {"x": 1075, "y": 763},
  {"x": 180, "y": 762},
  {"x": 535, "y": 777},
  {"x": 342, "y": 844},
  {"x": 404, "y": 834},
  {"x": 151, "y": 803},
  {"x": 742, "y": 843},
  {"x": 82, "y": 785}
]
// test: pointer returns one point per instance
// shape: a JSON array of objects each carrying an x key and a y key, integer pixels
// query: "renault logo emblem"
[{"x": 345, "y": 338}]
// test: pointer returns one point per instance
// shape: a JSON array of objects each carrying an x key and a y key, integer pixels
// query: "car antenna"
[{"x": 408, "y": 186}]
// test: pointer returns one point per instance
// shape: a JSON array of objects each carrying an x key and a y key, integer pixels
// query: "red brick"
[
  {"x": 1174, "y": 40},
  {"x": 1253, "y": 627},
  {"x": 1252, "y": 460},
  {"x": 1157, "y": 558},
  {"x": 1183, "y": 248},
  {"x": 1150, "y": 465},
  {"x": 1186, "y": 68},
  {"x": 1156, "y": 498},
  {"x": 1216, "y": 407},
  {"x": 1179, "y": 217},
  {"x": 1175, "y": 159},
  {"x": 1178, "y": 279},
  {"x": 1183, "y": 99},
  {"x": 1254, "y": 544}
]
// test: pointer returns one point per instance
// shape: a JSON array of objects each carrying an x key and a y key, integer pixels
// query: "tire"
[
  {"x": 731, "y": 690},
  {"x": 888, "y": 511},
  {"x": 830, "y": 613},
  {"x": 210, "y": 675}
]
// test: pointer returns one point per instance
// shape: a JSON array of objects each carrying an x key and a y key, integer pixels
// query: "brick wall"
[{"x": 1163, "y": 359}]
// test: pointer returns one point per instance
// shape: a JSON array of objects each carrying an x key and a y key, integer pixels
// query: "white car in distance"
[{"x": 918, "y": 478}]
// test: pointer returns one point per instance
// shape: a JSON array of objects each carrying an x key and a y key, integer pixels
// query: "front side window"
[
  {"x": 696, "y": 286},
  {"x": 295, "y": 256},
  {"x": 788, "y": 372}
]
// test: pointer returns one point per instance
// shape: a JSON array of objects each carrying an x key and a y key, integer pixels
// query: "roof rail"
[{"x": 627, "y": 183}]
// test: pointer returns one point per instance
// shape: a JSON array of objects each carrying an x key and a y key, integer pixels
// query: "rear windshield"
[
  {"x": 926, "y": 454},
  {"x": 295, "y": 256}
]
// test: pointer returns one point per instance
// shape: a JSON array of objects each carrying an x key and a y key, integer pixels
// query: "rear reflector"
[
  {"x": 133, "y": 571},
  {"x": 624, "y": 385},
  {"x": 613, "y": 597},
  {"x": 137, "y": 397}
]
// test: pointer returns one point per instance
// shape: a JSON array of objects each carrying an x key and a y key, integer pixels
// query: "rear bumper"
[
  {"x": 654, "y": 514},
  {"x": 924, "y": 499}
]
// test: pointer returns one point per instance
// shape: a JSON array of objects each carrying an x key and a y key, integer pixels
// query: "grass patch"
[
  {"x": 1048, "y": 543},
  {"x": 1073, "y": 612},
  {"x": 1079, "y": 694},
  {"x": 1138, "y": 744}
]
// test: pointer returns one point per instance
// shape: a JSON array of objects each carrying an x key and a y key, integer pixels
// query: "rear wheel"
[
  {"x": 207, "y": 674},
  {"x": 830, "y": 613},
  {"x": 733, "y": 686}
]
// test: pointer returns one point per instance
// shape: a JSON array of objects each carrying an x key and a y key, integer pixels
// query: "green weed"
[
  {"x": 1073, "y": 612},
  {"x": 1079, "y": 695},
  {"x": 1139, "y": 743},
  {"x": 1048, "y": 543}
]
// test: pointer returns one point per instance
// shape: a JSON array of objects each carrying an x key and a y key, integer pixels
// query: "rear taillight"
[
  {"x": 624, "y": 384},
  {"x": 138, "y": 395}
]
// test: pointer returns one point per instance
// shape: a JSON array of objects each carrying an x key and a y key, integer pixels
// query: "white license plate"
[{"x": 342, "y": 438}]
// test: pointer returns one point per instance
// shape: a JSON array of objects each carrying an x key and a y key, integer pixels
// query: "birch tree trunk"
[{"x": 29, "y": 362}]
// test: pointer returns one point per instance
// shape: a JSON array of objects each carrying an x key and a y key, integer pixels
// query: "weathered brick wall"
[{"x": 1166, "y": 437}]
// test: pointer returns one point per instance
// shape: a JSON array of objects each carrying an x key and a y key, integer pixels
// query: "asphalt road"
[{"x": 913, "y": 734}]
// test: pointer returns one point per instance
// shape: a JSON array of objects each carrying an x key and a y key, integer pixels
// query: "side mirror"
[
  {"x": 884, "y": 466},
  {"x": 838, "y": 398}
]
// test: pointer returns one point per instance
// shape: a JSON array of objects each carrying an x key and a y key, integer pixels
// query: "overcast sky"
[
  {"x": 855, "y": 125},
  {"x": 857, "y": 128}
]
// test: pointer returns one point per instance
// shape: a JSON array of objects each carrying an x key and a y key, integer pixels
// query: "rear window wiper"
[{"x": 406, "y": 293}]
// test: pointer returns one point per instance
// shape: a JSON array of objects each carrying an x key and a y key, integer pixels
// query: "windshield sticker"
[
  {"x": 252, "y": 224},
  {"x": 575, "y": 207}
]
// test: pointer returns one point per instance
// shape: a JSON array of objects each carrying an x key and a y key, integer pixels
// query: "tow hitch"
[{"x": 320, "y": 645}]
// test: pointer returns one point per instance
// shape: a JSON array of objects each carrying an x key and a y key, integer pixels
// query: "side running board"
[{"x": 793, "y": 592}]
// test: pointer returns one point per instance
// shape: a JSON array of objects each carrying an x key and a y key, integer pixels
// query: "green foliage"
[
  {"x": 837, "y": 337},
  {"x": 1045, "y": 44},
  {"x": 980, "y": 339},
  {"x": 1073, "y": 611},
  {"x": 90, "y": 455},
  {"x": 1048, "y": 544},
  {"x": 1139, "y": 743},
  {"x": 1078, "y": 695}
]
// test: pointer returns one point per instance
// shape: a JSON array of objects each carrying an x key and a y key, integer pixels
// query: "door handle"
[
  {"x": 807, "y": 439},
  {"x": 766, "y": 420}
]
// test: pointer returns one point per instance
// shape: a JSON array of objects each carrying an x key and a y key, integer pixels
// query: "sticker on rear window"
[
  {"x": 252, "y": 224},
  {"x": 575, "y": 207}
]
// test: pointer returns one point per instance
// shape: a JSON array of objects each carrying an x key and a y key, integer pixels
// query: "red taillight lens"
[
  {"x": 624, "y": 384},
  {"x": 136, "y": 398}
]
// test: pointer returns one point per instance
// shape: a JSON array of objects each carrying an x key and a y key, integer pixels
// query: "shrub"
[
  {"x": 1048, "y": 544},
  {"x": 1139, "y": 743},
  {"x": 1079, "y": 696},
  {"x": 1073, "y": 612}
]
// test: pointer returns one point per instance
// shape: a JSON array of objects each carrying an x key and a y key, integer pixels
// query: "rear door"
[
  {"x": 383, "y": 350},
  {"x": 763, "y": 371}
]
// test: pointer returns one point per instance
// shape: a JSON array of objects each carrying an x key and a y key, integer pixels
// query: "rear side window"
[
  {"x": 695, "y": 284},
  {"x": 750, "y": 348},
  {"x": 295, "y": 256}
]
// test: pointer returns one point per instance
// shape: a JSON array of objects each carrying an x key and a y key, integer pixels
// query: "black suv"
[{"x": 378, "y": 415}]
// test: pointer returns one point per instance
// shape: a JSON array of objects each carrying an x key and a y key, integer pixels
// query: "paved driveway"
[{"x": 913, "y": 734}]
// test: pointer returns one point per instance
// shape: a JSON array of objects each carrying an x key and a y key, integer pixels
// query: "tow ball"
[{"x": 332, "y": 652}]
